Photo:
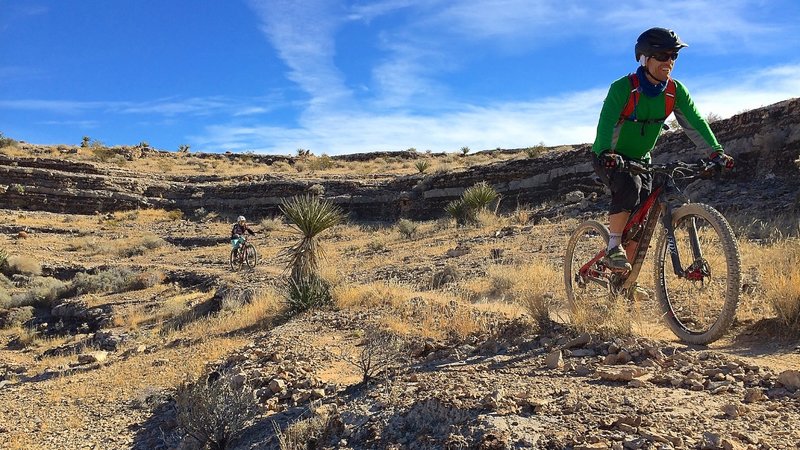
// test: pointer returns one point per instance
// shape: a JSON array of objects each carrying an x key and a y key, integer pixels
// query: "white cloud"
[
  {"x": 168, "y": 107},
  {"x": 727, "y": 95},
  {"x": 303, "y": 35},
  {"x": 560, "y": 120}
]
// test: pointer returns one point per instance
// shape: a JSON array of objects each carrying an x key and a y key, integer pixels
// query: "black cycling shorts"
[{"x": 627, "y": 190}]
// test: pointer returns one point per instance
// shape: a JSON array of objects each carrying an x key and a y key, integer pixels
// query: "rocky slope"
[{"x": 765, "y": 141}]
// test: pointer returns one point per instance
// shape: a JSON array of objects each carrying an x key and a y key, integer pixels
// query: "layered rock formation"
[{"x": 765, "y": 142}]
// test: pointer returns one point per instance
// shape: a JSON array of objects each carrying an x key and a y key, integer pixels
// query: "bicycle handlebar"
[{"x": 703, "y": 167}]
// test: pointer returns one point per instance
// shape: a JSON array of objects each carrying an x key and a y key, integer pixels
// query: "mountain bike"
[
  {"x": 244, "y": 254},
  {"x": 699, "y": 296}
]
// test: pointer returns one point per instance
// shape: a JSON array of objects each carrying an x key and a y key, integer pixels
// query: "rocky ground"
[{"x": 111, "y": 381}]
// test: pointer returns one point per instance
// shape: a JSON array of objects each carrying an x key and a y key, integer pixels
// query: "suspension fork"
[{"x": 672, "y": 246}]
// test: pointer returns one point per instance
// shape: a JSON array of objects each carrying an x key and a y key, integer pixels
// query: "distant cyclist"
[
  {"x": 238, "y": 231},
  {"x": 631, "y": 121}
]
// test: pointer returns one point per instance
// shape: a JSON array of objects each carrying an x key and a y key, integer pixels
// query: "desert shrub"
[
  {"x": 15, "y": 317},
  {"x": 422, "y": 165},
  {"x": 464, "y": 151},
  {"x": 112, "y": 280},
  {"x": 536, "y": 150},
  {"x": 23, "y": 264},
  {"x": 305, "y": 293},
  {"x": 458, "y": 210},
  {"x": 322, "y": 162},
  {"x": 175, "y": 214},
  {"x": 316, "y": 190},
  {"x": 380, "y": 349},
  {"x": 376, "y": 245},
  {"x": 447, "y": 275},
  {"x": 407, "y": 228},
  {"x": 102, "y": 153},
  {"x": 6, "y": 141},
  {"x": 5, "y": 283},
  {"x": 271, "y": 224},
  {"x": 5, "y": 298},
  {"x": 765, "y": 230},
  {"x": 214, "y": 410},
  {"x": 43, "y": 292},
  {"x": 303, "y": 434},
  {"x": 140, "y": 246}
]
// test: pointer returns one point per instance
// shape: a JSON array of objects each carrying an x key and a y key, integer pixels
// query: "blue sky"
[{"x": 334, "y": 77}]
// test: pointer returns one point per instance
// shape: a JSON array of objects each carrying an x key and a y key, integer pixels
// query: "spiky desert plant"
[
  {"x": 309, "y": 216},
  {"x": 458, "y": 210},
  {"x": 479, "y": 196},
  {"x": 422, "y": 165}
]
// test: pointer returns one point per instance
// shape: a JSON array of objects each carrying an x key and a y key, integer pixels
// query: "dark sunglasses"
[{"x": 665, "y": 56}]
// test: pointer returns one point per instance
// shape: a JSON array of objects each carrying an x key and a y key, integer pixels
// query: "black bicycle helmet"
[{"x": 657, "y": 40}]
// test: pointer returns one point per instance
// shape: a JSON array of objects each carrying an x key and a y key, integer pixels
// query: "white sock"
[{"x": 614, "y": 240}]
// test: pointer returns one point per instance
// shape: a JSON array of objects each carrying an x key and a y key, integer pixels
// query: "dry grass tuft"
[
  {"x": 370, "y": 295},
  {"x": 781, "y": 279}
]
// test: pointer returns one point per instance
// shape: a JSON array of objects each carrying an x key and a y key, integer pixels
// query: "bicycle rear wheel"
[
  {"x": 250, "y": 255},
  {"x": 700, "y": 306},
  {"x": 586, "y": 281},
  {"x": 236, "y": 260}
]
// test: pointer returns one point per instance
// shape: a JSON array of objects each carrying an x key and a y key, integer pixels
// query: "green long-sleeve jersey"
[{"x": 637, "y": 139}]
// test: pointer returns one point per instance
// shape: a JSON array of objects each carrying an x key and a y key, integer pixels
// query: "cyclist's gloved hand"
[
  {"x": 722, "y": 160},
  {"x": 611, "y": 160}
]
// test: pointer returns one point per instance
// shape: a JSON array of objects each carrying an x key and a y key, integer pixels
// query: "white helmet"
[{"x": 240, "y": 219}]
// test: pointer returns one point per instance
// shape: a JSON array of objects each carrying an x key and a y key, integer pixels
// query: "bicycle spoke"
[
  {"x": 591, "y": 302},
  {"x": 700, "y": 305}
]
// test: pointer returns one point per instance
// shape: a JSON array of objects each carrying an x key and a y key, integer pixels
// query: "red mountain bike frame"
[{"x": 640, "y": 229}]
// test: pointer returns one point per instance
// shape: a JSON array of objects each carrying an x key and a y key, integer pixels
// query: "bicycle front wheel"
[
  {"x": 586, "y": 278},
  {"x": 250, "y": 256},
  {"x": 236, "y": 261},
  {"x": 700, "y": 305}
]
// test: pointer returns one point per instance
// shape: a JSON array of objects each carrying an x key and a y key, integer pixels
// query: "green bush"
[
  {"x": 480, "y": 196},
  {"x": 303, "y": 294},
  {"x": 422, "y": 165},
  {"x": 474, "y": 200},
  {"x": 459, "y": 211}
]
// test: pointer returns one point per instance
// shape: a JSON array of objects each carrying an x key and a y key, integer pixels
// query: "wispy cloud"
[
  {"x": 727, "y": 95},
  {"x": 558, "y": 120},
  {"x": 303, "y": 35},
  {"x": 167, "y": 107}
]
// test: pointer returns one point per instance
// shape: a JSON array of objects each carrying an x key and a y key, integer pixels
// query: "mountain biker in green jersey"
[{"x": 633, "y": 137}]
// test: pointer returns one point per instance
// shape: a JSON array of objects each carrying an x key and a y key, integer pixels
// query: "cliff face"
[{"x": 765, "y": 143}]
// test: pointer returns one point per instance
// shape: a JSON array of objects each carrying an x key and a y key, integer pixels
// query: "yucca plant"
[
  {"x": 422, "y": 165},
  {"x": 303, "y": 294},
  {"x": 479, "y": 196},
  {"x": 309, "y": 216},
  {"x": 459, "y": 211}
]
